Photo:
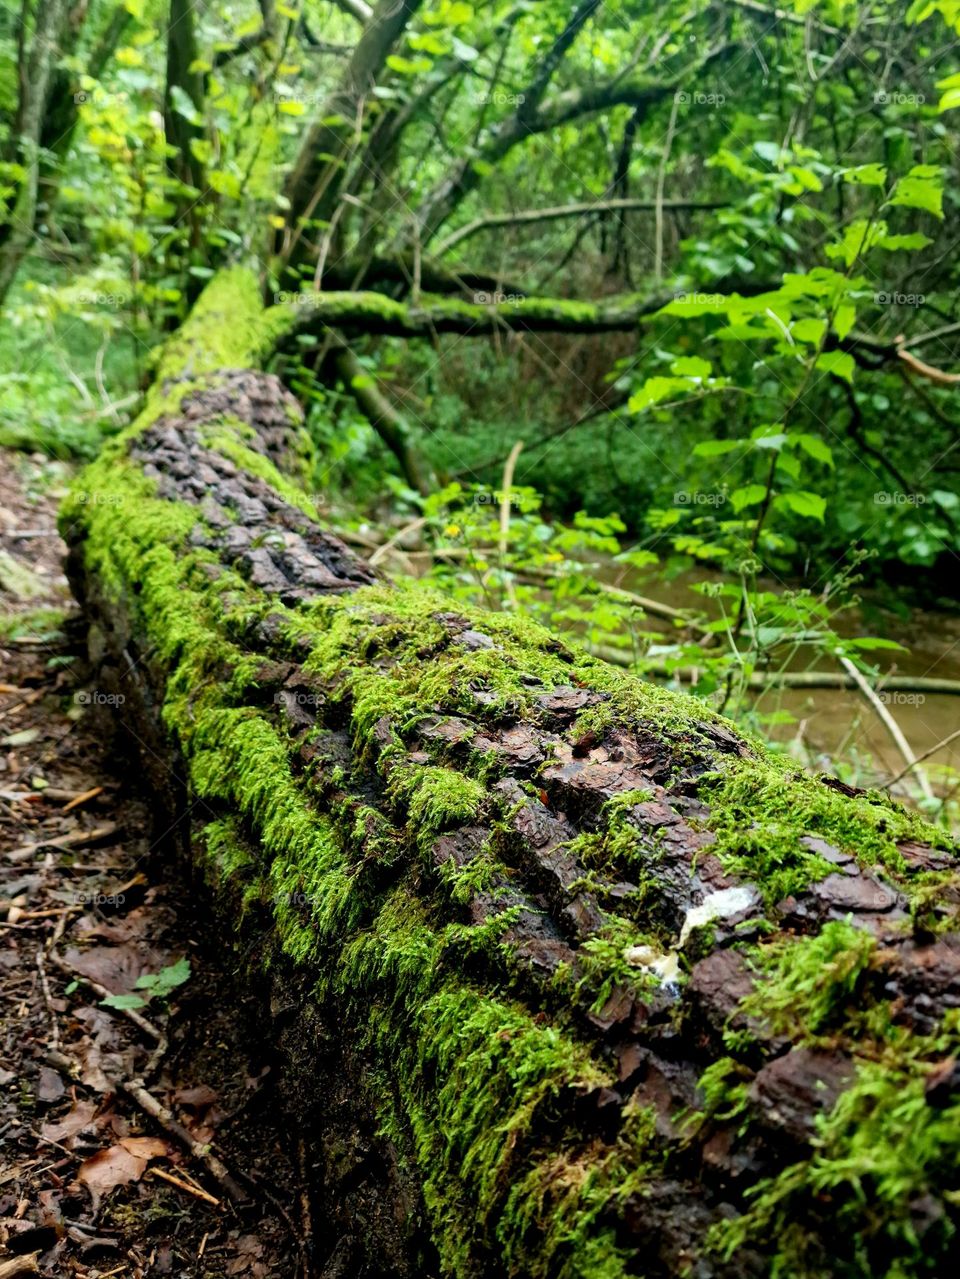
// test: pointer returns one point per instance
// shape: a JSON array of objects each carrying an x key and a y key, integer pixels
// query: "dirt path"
[{"x": 108, "y": 976}]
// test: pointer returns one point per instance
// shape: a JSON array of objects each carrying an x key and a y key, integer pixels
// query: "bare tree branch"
[
  {"x": 524, "y": 216},
  {"x": 314, "y": 182},
  {"x": 571, "y": 104}
]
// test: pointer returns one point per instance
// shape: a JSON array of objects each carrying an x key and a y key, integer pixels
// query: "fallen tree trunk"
[{"x": 619, "y": 992}]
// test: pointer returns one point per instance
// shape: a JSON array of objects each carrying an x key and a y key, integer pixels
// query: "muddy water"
[{"x": 839, "y": 724}]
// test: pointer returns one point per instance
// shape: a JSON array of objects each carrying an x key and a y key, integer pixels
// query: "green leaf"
[
  {"x": 428, "y": 42},
  {"x": 408, "y": 66},
  {"x": 656, "y": 389},
  {"x": 224, "y": 183},
  {"x": 749, "y": 495},
  {"x": 809, "y": 330},
  {"x": 807, "y": 180},
  {"x": 161, "y": 984},
  {"x": 449, "y": 15},
  {"x": 868, "y": 643},
  {"x": 865, "y": 175},
  {"x": 124, "y": 1001},
  {"x": 768, "y": 437},
  {"x": 920, "y": 189},
  {"x": 858, "y": 237},
  {"x": 248, "y": 28},
  {"x": 814, "y": 447},
  {"x": 184, "y": 105},
  {"x": 914, "y": 240},
  {"x": 844, "y": 319},
  {"x": 691, "y": 366},
  {"x": 839, "y": 363},
  {"x": 716, "y": 448},
  {"x": 810, "y": 505}
]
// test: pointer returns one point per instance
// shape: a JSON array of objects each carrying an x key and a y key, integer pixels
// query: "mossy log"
[{"x": 610, "y": 989}]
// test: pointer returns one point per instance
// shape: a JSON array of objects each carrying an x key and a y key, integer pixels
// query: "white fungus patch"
[{"x": 719, "y": 905}]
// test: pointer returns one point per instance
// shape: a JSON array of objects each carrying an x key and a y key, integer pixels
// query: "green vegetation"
[{"x": 625, "y": 342}]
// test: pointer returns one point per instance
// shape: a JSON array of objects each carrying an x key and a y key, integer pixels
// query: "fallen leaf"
[
  {"x": 23, "y": 738},
  {"x": 115, "y": 967},
  {"x": 73, "y": 1122},
  {"x": 119, "y": 1165},
  {"x": 49, "y": 1085},
  {"x": 197, "y": 1098}
]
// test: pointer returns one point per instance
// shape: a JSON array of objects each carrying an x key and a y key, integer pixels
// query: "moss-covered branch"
[
  {"x": 374, "y": 313},
  {"x": 622, "y": 993}
]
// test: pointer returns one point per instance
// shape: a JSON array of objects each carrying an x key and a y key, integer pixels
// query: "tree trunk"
[{"x": 619, "y": 992}]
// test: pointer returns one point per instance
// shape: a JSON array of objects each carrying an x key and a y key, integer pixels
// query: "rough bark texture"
[{"x": 618, "y": 992}]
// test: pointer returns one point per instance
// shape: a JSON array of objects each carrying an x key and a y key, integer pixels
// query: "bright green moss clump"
[{"x": 761, "y": 810}]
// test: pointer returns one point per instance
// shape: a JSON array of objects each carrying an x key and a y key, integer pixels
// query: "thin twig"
[
  {"x": 918, "y": 759},
  {"x": 197, "y": 1191},
  {"x": 890, "y": 724}
]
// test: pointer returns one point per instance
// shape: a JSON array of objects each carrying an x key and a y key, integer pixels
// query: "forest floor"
[{"x": 91, "y": 1185}]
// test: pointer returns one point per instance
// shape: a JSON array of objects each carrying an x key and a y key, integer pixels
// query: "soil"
[{"x": 92, "y": 908}]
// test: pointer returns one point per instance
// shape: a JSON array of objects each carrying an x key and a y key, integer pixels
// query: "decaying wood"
[{"x": 569, "y": 974}]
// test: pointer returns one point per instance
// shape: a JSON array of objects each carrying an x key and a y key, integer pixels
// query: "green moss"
[
  {"x": 805, "y": 984},
  {"x": 229, "y": 443},
  {"x": 725, "y": 1086},
  {"x": 761, "y": 809},
  {"x": 880, "y": 1153},
  {"x": 880, "y": 1158},
  {"x": 562, "y": 1201},
  {"x": 436, "y": 798},
  {"x": 481, "y": 1087}
]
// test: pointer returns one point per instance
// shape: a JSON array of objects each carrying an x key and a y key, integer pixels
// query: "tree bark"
[
  {"x": 621, "y": 992},
  {"x": 37, "y": 77}
]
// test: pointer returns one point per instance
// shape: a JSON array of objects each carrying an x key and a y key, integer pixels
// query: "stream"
[{"x": 838, "y": 723}]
